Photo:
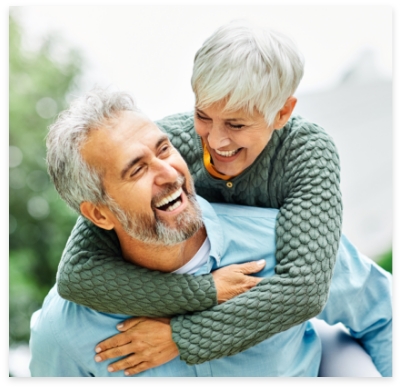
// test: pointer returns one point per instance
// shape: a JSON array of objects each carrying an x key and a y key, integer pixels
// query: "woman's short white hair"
[
  {"x": 74, "y": 179},
  {"x": 250, "y": 67}
]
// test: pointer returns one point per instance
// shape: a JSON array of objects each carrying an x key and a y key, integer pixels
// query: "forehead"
[{"x": 121, "y": 138}]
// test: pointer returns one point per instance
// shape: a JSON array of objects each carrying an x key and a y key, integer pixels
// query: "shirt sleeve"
[
  {"x": 93, "y": 273},
  {"x": 361, "y": 298},
  {"x": 308, "y": 230}
]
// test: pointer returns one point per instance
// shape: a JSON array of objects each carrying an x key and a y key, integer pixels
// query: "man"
[{"x": 142, "y": 190}]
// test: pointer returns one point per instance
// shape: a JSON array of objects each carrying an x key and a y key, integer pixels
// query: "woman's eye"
[
  {"x": 201, "y": 117},
  {"x": 236, "y": 126}
]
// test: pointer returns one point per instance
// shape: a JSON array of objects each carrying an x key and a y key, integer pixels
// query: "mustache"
[{"x": 169, "y": 189}]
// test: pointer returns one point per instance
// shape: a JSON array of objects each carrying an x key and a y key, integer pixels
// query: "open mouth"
[
  {"x": 171, "y": 202},
  {"x": 227, "y": 154}
]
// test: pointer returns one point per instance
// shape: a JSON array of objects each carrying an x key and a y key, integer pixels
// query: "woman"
[{"x": 242, "y": 146}]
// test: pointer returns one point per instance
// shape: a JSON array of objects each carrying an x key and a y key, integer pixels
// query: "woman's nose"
[{"x": 218, "y": 137}]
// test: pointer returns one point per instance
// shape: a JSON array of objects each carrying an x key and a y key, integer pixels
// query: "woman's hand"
[
  {"x": 147, "y": 342},
  {"x": 233, "y": 280}
]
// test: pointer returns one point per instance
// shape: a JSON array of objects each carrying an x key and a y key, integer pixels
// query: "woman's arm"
[
  {"x": 93, "y": 273},
  {"x": 307, "y": 232}
]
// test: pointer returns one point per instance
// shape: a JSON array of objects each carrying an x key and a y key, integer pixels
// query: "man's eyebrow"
[
  {"x": 130, "y": 165},
  {"x": 163, "y": 138},
  {"x": 133, "y": 162}
]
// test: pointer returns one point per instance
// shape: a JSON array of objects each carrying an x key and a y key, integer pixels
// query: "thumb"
[{"x": 252, "y": 267}]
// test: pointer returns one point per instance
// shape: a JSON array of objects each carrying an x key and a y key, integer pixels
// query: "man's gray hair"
[
  {"x": 251, "y": 67},
  {"x": 74, "y": 179}
]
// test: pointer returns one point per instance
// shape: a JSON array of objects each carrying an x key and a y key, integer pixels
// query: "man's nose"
[
  {"x": 165, "y": 172},
  {"x": 218, "y": 137}
]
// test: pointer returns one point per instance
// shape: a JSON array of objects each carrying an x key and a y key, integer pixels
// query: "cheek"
[
  {"x": 253, "y": 144},
  {"x": 200, "y": 128}
]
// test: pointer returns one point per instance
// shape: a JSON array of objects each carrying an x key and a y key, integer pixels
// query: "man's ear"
[
  {"x": 284, "y": 114},
  {"x": 97, "y": 214}
]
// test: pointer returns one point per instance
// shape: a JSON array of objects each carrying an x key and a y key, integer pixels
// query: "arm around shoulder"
[{"x": 93, "y": 273}]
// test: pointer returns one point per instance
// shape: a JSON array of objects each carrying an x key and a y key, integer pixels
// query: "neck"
[{"x": 159, "y": 257}]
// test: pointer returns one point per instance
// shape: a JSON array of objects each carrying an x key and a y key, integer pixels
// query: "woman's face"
[{"x": 234, "y": 139}]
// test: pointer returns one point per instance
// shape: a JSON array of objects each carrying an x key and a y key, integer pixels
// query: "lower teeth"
[{"x": 174, "y": 206}]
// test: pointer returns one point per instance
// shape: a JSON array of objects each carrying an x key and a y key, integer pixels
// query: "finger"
[
  {"x": 115, "y": 352},
  {"x": 253, "y": 281},
  {"x": 138, "y": 368},
  {"x": 126, "y": 363},
  {"x": 113, "y": 342},
  {"x": 130, "y": 323},
  {"x": 252, "y": 267}
]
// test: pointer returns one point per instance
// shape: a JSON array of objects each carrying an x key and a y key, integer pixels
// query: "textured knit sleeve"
[
  {"x": 93, "y": 273},
  {"x": 308, "y": 231}
]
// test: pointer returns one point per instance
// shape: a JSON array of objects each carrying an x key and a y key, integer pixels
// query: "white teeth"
[
  {"x": 226, "y": 153},
  {"x": 170, "y": 198},
  {"x": 174, "y": 206}
]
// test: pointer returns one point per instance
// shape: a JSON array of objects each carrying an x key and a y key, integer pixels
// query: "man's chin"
[{"x": 185, "y": 225}]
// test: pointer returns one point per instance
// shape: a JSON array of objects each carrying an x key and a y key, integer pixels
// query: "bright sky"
[{"x": 149, "y": 50}]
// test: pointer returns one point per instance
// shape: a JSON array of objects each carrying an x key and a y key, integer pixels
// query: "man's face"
[{"x": 149, "y": 182}]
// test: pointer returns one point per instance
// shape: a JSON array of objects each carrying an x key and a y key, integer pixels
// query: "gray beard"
[{"x": 154, "y": 230}]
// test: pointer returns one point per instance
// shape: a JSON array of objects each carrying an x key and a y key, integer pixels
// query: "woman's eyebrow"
[
  {"x": 226, "y": 119},
  {"x": 200, "y": 111}
]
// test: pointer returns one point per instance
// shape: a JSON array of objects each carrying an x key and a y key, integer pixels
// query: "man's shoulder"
[
  {"x": 47, "y": 323},
  {"x": 52, "y": 315},
  {"x": 231, "y": 211},
  {"x": 60, "y": 320}
]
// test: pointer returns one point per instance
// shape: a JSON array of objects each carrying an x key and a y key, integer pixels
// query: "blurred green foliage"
[
  {"x": 385, "y": 261},
  {"x": 39, "y": 221}
]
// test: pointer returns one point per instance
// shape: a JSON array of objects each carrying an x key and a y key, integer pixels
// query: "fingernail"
[
  {"x": 119, "y": 326},
  {"x": 126, "y": 373},
  {"x": 110, "y": 369},
  {"x": 98, "y": 349},
  {"x": 98, "y": 358},
  {"x": 261, "y": 261}
]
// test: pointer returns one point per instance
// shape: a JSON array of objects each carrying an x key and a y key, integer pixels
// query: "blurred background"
[{"x": 58, "y": 52}]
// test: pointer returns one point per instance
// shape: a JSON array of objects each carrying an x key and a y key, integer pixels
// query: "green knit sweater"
[{"x": 297, "y": 173}]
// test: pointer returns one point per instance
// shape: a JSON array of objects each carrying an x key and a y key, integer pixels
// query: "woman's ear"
[
  {"x": 97, "y": 214},
  {"x": 284, "y": 114}
]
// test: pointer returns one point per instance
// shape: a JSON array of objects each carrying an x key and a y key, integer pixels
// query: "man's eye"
[
  {"x": 136, "y": 171},
  {"x": 164, "y": 149}
]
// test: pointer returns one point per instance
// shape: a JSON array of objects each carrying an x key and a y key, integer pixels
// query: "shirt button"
[{"x": 229, "y": 184}]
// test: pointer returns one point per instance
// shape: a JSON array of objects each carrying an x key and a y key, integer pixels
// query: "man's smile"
[{"x": 170, "y": 202}]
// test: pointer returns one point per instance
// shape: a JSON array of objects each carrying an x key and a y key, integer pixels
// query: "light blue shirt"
[{"x": 64, "y": 334}]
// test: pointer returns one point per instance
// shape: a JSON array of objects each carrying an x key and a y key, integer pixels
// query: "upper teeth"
[
  {"x": 169, "y": 198},
  {"x": 226, "y": 153}
]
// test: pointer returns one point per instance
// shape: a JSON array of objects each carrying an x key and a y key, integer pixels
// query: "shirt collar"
[{"x": 214, "y": 229}]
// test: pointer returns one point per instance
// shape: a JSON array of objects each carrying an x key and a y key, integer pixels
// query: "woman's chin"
[{"x": 229, "y": 169}]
